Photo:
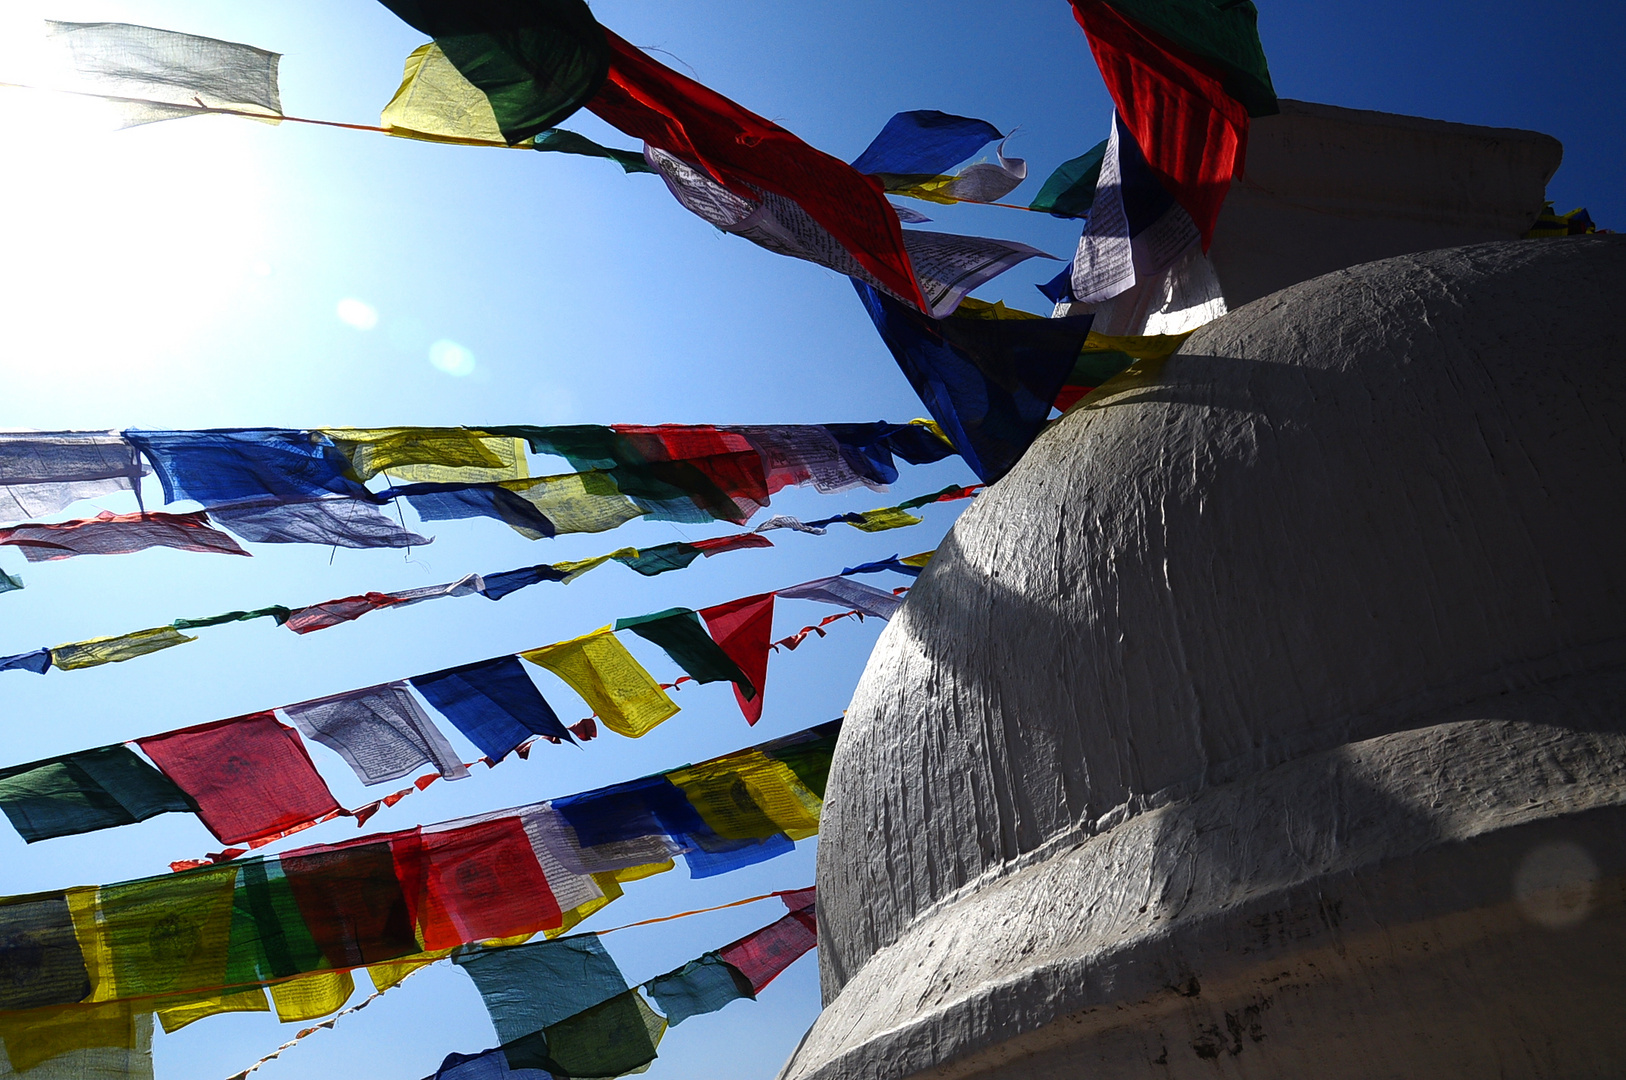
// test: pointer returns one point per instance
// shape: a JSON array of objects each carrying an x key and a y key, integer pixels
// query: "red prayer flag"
[
  {"x": 726, "y": 459},
  {"x": 353, "y": 896},
  {"x": 743, "y": 629},
  {"x": 249, "y": 776},
  {"x": 333, "y": 612},
  {"x": 719, "y": 544},
  {"x": 119, "y": 534},
  {"x": 1193, "y": 134},
  {"x": 761, "y": 956},
  {"x": 740, "y": 149},
  {"x": 480, "y": 882}
]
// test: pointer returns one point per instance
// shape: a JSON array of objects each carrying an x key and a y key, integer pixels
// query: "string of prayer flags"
[
  {"x": 381, "y": 732},
  {"x": 597, "y": 666},
  {"x": 678, "y": 631},
  {"x": 159, "y": 74},
  {"x": 83, "y": 792},
  {"x": 1070, "y": 190},
  {"x": 235, "y": 465},
  {"x": 989, "y": 383},
  {"x": 114, "y": 650},
  {"x": 493, "y": 702},
  {"x": 42, "y": 472},
  {"x": 1185, "y": 77},
  {"x": 118, "y": 534},
  {"x": 743, "y": 628},
  {"x": 846, "y": 593},
  {"x": 249, "y": 776},
  {"x": 915, "y": 149},
  {"x": 746, "y": 153},
  {"x": 535, "y": 63},
  {"x": 1550, "y": 223},
  {"x": 337, "y": 522}
]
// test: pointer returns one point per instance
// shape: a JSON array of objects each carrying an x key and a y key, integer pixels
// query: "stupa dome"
[{"x": 1270, "y": 716}]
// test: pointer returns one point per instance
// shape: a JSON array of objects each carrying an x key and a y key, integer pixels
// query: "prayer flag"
[
  {"x": 1070, "y": 190},
  {"x": 500, "y": 585},
  {"x": 349, "y": 523},
  {"x": 381, "y": 732},
  {"x": 232, "y": 465},
  {"x": 490, "y": 1065},
  {"x": 702, "y": 985},
  {"x": 448, "y": 502},
  {"x": 599, "y": 668},
  {"x": 678, "y": 631},
  {"x": 853, "y": 595},
  {"x": 1185, "y": 75},
  {"x": 168, "y": 934},
  {"x": 747, "y": 153},
  {"x": 161, "y": 74},
  {"x": 535, "y": 62},
  {"x": 796, "y": 454},
  {"x": 177, "y": 1012},
  {"x": 989, "y": 383},
  {"x": 270, "y": 939},
  {"x": 528, "y": 987},
  {"x": 38, "y": 661},
  {"x": 744, "y": 630},
  {"x": 726, "y": 459},
  {"x": 612, "y": 1038},
  {"x": 104, "y": 1042},
  {"x": 311, "y": 996},
  {"x": 888, "y": 517},
  {"x": 333, "y": 612},
  {"x": 585, "y": 502},
  {"x": 762, "y": 955},
  {"x": 86, "y": 791},
  {"x": 493, "y": 702},
  {"x": 42, "y": 472},
  {"x": 749, "y": 796},
  {"x": 275, "y": 611},
  {"x": 479, "y": 882},
  {"x": 350, "y": 897},
  {"x": 9, "y": 583},
  {"x": 115, "y": 650},
  {"x": 429, "y": 454},
  {"x": 250, "y": 776},
  {"x": 924, "y": 144},
  {"x": 118, "y": 534},
  {"x": 40, "y": 960}
]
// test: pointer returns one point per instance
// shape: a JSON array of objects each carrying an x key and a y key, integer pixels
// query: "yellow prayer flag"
[
  {"x": 92, "y": 939},
  {"x": 972, "y": 308},
  {"x": 578, "y": 567},
  {"x": 1142, "y": 347},
  {"x": 750, "y": 796},
  {"x": 38, "y": 1035},
  {"x": 312, "y": 996},
  {"x": 599, "y": 668},
  {"x": 170, "y": 934},
  {"x": 432, "y": 455},
  {"x": 920, "y": 560},
  {"x": 888, "y": 517},
  {"x": 387, "y": 976},
  {"x": 436, "y": 103},
  {"x": 610, "y": 891},
  {"x": 112, "y": 650},
  {"x": 179, "y": 1012},
  {"x": 586, "y": 502}
]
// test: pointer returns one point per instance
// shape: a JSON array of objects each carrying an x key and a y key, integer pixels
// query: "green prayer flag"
[
  {"x": 702, "y": 985},
  {"x": 568, "y": 142},
  {"x": 610, "y": 1039},
  {"x": 659, "y": 559},
  {"x": 808, "y": 755},
  {"x": 680, "y": 632},
  {"x": 1223, "y": 32},
  {"x": 536, "y": 61},
  {"x": 85, "y": 791},
  {"x": 269, "y": 938},
  {"x": 1070, "y": 191},
  {"x": 275, "y": 611},
  {"x": 9, "y": 583},
  {"x": 1092, "y": 368}
]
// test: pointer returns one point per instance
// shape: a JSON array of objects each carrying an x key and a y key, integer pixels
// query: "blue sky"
[{"x": 188, "y": 274}]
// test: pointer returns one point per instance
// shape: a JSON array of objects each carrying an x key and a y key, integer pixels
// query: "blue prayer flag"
[
  {"x": 989, "y": 383},
  {"x": 702, "y": 985},
  {"x": 924, "y": 143},
  {"x": 500, "y": 585},
  {"x": 236, "y": 464},
  {"x": 528, "y": 987},
  {"x": 493, "y": 702},
  {"x": 38, "y": 661},
  {"x": 448, "y": 502}
]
